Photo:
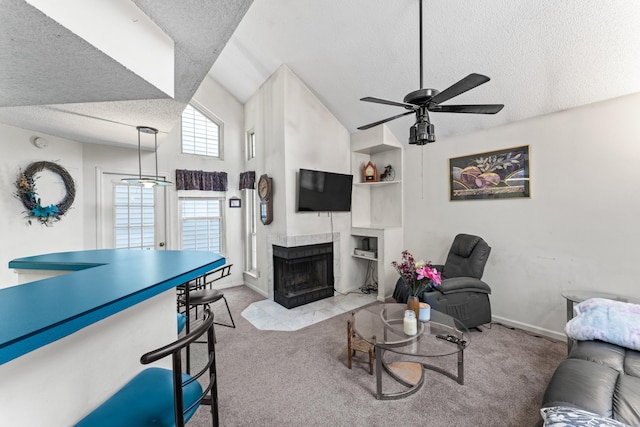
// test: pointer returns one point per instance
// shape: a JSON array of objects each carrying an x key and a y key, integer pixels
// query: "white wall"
[
  {"x": 77, "y": 230},
  {"x": 264, "y": 115},
  {"x": 294, "y": 130},
  {"x": 579, "y": 229},
  {"x": 18, "y": 238},
  {"x": 315, "y": 139}
]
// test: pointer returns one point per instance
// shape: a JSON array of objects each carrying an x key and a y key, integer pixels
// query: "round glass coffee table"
[{"x": 443, "y": 335}]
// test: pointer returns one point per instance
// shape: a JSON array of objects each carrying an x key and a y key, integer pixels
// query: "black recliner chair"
[{"x": 462, "y": 294}]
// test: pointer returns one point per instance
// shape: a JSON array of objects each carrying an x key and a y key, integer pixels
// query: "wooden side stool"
[{"x": 358, "y": 344}]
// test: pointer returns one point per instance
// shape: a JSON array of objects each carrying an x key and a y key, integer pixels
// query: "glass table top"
[
  {"x": 382, "y": 324},
  {"x": 577, "y": 296}
]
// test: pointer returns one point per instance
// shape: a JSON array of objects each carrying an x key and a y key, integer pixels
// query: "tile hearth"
[{"x": 269, "y": 315}]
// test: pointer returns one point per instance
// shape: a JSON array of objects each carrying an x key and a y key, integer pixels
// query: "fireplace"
[{"x": 302, "y": 274}]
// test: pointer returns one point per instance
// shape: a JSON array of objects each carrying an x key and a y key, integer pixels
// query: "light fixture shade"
[{"x": 147, "y": 181}]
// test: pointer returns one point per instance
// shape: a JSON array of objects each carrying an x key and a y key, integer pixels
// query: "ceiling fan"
[{"x": 421, "y": 101}]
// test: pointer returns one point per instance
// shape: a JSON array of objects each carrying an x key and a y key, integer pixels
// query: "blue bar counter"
[{"x": 99, "y": 283}]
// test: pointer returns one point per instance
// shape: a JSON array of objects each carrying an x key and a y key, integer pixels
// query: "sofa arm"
[{"x": 463, "y": 284}]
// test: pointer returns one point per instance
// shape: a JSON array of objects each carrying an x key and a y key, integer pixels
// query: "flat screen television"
[{"x": 320, "y": 191}]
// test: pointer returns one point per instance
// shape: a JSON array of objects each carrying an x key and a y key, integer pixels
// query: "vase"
[{"x": 413, "y": 303}]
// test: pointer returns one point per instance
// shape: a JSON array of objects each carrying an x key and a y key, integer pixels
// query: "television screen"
[{"x": 324, "y": 191}]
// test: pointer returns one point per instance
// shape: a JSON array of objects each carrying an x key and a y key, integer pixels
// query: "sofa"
[
  {"x": 599, "y": 382},
  {"x": 597, "y": 377}
]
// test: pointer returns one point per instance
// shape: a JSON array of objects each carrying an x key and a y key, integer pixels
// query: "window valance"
[
  {"x": 247, "y": 180},
  {"x": 201, "y": 180}
]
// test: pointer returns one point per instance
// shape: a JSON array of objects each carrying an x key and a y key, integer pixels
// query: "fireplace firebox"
[{"x": 302, "y": 274}]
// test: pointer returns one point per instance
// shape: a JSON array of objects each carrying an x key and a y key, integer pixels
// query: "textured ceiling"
[
  {"x": 542, "y": 55},
  {"x": 53, "y": 81}
]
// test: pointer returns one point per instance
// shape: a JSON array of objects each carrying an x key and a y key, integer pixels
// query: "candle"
[
  {"x": 410, "y": 323},
  {"x": 425, "y": 312}
]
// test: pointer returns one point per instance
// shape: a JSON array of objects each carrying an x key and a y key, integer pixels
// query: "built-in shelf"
[
  {"x": 376, "y": 184},
  {"x": 376, "y": 207},
  {"x": 364, "y": 257},
  {"x": 379, "y": 147},
  {"x": 372, "y": 230}
]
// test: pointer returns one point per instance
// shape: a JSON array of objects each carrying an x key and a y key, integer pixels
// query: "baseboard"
[
  {"x": 255, "y": 288},
  {"x": 530, "y": 328},
  {"x": 228, "y": 285}
]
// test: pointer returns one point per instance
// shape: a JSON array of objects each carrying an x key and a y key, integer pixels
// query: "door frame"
[{"x": 162, "y": 223}]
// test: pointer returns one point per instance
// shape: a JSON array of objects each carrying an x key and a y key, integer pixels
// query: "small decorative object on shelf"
[
  {"x": 370, "y": 172},
  {"x": 26, "y": 192},
  {"x": 389, "y": 174}
]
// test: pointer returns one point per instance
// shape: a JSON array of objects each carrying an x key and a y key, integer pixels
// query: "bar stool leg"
[{"x": 233, "y": 324}]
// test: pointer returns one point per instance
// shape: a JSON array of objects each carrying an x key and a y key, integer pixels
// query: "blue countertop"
[{"x": 101, "y": 283}]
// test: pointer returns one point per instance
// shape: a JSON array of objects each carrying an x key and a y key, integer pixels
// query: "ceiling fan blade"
[
  {"x": 473, "y": 109},
  {"x": 370, "y": 125},
  {"x": 468, "y": 83},
  {"x": 384, "y": 101}
]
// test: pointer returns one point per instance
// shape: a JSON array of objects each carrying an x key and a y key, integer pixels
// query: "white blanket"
[{"x": 606, "y": 320}]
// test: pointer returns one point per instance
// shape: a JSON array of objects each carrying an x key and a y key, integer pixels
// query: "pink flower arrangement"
[{"x": 417, "y": 275}]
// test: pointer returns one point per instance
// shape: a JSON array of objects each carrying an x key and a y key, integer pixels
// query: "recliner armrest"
[{"x": 463, "y": 284}]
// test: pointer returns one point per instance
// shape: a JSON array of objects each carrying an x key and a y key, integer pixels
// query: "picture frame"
[
  {"x": 499, "y": 174},
  {"x": 235, "y": 202}
]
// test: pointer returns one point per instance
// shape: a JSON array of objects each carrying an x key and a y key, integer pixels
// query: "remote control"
[{"x": 449, "y": 338}]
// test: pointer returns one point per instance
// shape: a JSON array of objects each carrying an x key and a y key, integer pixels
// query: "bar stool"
[
  {"x": 209, "y": 296},
  {"x": 159, "y": 396},
  {"x": 204, "y": 298},
  {"x": 195, "y": 294}
]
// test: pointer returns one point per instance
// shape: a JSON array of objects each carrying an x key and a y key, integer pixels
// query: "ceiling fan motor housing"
[
  {"x": 422, "y": 133},
  {"x": 420, "y": 96}
]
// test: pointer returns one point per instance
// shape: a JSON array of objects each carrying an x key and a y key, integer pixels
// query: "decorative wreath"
[{"x": 26, "y": 186}]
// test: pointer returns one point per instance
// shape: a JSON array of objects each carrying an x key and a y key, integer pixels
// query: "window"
[
  {"x": 134, "y": 217},
  {"x": 200, "y": 134},
  {"x": 251, "y": 145},
  {"x": 251, "y": 221},
  {"x": 201, "y": 220}
]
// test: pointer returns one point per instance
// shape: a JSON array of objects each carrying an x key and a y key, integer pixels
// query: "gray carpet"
[{"x": 300, "y": 378}]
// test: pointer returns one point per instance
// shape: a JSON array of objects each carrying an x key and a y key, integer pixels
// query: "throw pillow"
[{"x": 562, "y": 416}]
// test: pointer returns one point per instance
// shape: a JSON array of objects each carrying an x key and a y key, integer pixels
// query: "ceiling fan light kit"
[
  {"x": 422, "y": 133},
  {"x": 422, "y": 101},
  {"x": 147, "y": 181}
]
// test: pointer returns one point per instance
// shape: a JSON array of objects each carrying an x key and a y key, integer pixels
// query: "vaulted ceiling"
[
  {"x": 542, "y": 56},
  {"x": 93, "y": 71}
]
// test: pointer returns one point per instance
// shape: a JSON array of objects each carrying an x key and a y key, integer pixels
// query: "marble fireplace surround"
[{"x": 304, "y": 240}]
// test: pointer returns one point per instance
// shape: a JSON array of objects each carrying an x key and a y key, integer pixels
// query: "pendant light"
[{"x": 145, "y": 180}]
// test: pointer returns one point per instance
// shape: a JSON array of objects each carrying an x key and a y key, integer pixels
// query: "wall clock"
[
  {"x": 370, "y": 172},
  {"x": 265, "y": 192}
]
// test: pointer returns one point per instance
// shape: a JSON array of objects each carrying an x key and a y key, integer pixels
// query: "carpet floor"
[{"x": 300, "y": 378}]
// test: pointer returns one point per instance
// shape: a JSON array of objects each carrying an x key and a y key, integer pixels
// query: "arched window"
[{"x": 201, "y": 134}]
